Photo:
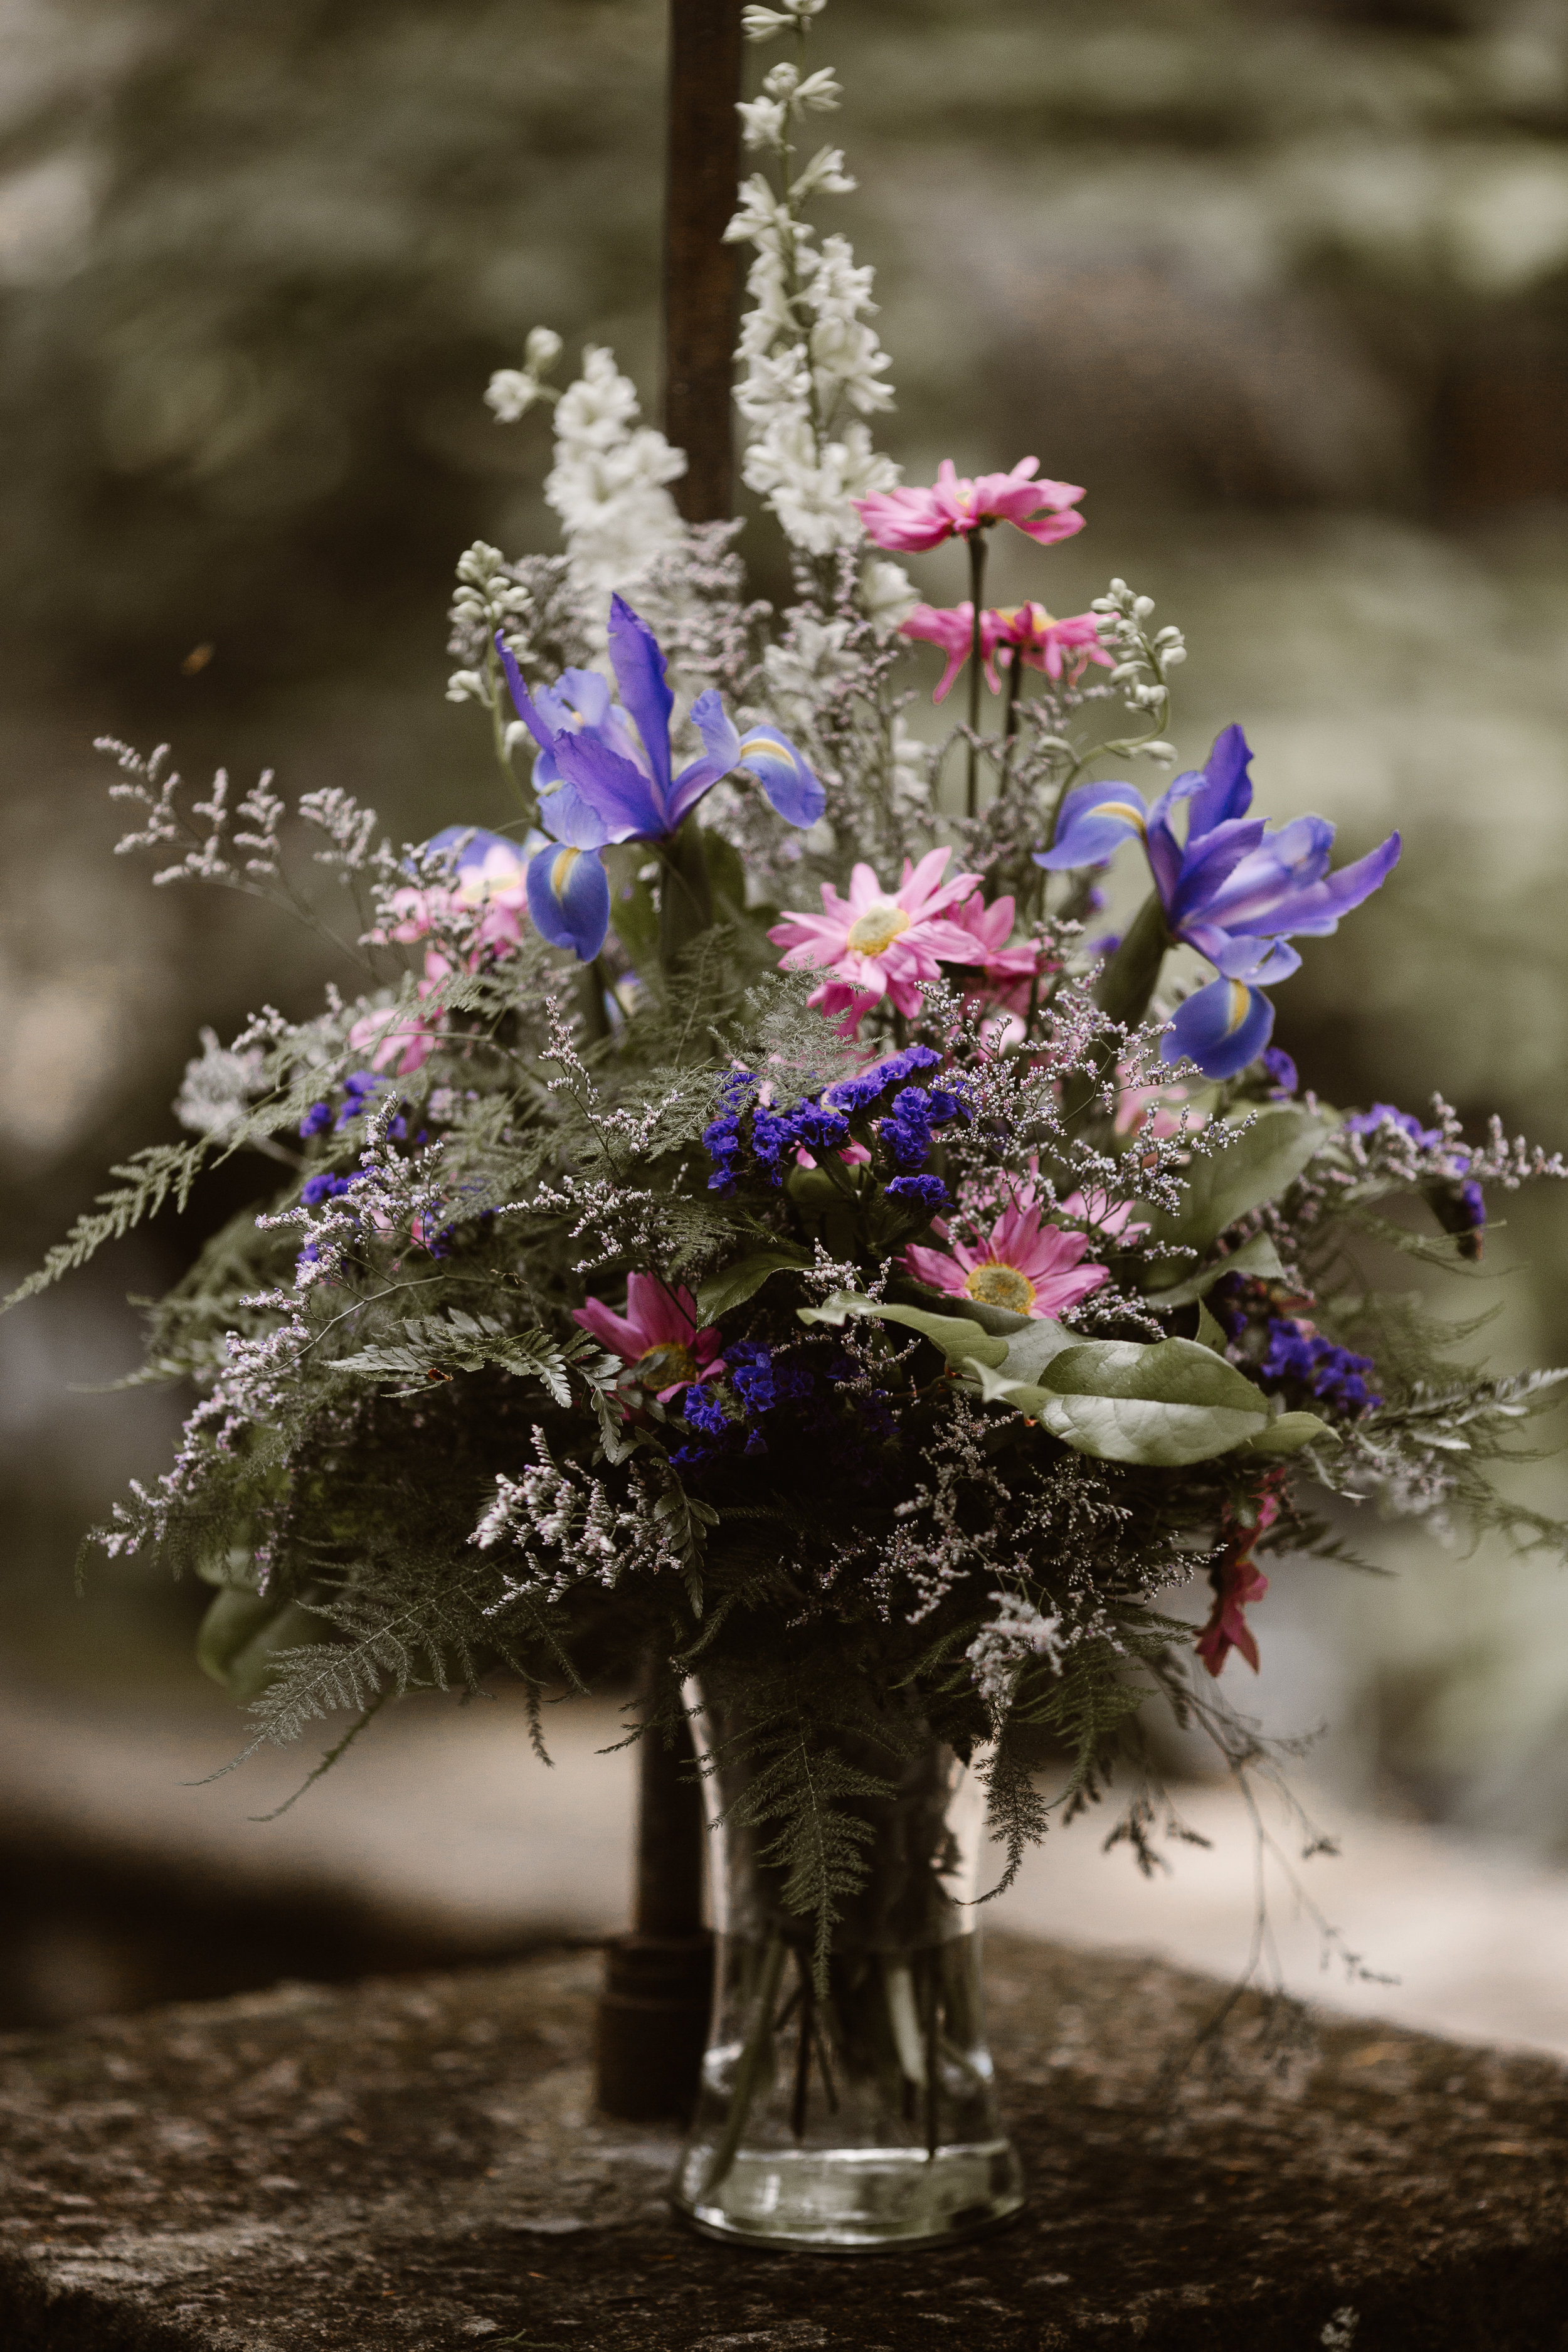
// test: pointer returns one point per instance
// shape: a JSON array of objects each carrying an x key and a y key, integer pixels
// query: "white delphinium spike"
[
  {"x": 813, "y": 367},
  {"x": 608, "y": 482}
]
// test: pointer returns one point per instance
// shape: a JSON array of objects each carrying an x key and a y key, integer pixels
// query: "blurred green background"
[{"x": 1284, "y": 282}]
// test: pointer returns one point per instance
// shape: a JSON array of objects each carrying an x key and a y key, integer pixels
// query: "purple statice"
[
  {"x": 325, "y": 1187},
  {"x": 317, "y": 1121},
  {"x": 1280, "y": 1072},
  {"x": 762, "y": 1140},
  {"x": 1473, "y": 1202},
  {"x": 761, "y": 1380},
  {"x": 860, "y": 1092},
  {"x": 357, "y": 1087},
  {"x": 1335, "y": 1377},
  {"x": 929, "y": 1191},
  {"x": 1367, "y": 1122}
]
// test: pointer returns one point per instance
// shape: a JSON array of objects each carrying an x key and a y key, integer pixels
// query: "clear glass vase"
[{"x": 864, "y": 2115}]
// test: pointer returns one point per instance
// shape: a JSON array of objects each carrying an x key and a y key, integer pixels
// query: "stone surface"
[{"x": 410, "y": 2164}]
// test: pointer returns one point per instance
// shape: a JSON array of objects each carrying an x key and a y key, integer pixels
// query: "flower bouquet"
[{"x": 748, "y": 1213}]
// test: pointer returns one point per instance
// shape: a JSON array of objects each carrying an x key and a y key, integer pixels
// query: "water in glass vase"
[{"x": 858, "y": 2112}]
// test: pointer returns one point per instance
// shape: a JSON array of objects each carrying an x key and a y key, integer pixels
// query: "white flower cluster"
[
  {"x": 512, "y": 392},
  {"x": 218, "y": 1086},
  {"x": 998, "y": 1649},
  {"x": 607, "y": 484},
  {"x": 813, "y": 368}
]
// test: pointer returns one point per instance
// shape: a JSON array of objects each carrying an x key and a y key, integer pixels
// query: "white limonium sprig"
[
  {"x": 608, "y": 484},
  {"x": 814, "y": 370}
]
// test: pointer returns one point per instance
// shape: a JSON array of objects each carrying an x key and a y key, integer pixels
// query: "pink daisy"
[
  {"x": 657, "y": 1337},
  {"x": 1030, "y": 1268},
  {"x": 951, "y": 628},
  {"x": 879, "y": 944},
  {"x": 1046, "y": 643},
  {"x": 1007, "y": 973},
  {"x": 954, "y": 507}
]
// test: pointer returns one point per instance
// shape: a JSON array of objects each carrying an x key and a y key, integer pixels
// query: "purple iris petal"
[
  {"x": 792, "y": 788},
  {"x": 1208, "y": 864},
  {"x": 1095, "y": 820},
  {"x": 569, "y": 816},
  {"x": 1227, "y": 786},
  {"x": 470, "y": 844},
  {"x": 1242, "y": 955},
  {"x": 568, "y": 900},
  {"x": 638, "y": 661},
  {"x": 1221, "y": 1028},
  {"x": 722, "y": 750},
  {"x": 1316, "y": 910}
]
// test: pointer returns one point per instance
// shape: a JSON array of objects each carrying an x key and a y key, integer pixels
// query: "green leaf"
[
  {"x": 1166, "y": 1405},
  {"x": 956, "y": 1337},
  {"x": 734, "y": 1284},
  {"x": 1221, "y": 1186},
  {"x": 1209, "y": 1334},
  {"x": 726, "y": 873},
  {"x": 1035, "y": 1346},
  {"x": 1258, "y": 1256},
  {"x": 1287, "y": 1432},
  {"x": 634, "y": 918}
]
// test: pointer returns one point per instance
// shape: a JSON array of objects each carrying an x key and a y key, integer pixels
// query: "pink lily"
[
  {"x": 879, "y": 944},
  {"x": 951, "y": 628},
  {"x": 657, "y": 1337},
  {"x": 1046, "y": 643},
  {"x": 953, "y": 508},
  {"x": 1030, "y": 1268}
]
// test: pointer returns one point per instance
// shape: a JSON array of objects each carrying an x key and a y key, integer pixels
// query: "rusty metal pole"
[{"x": 653, "y": 2013}]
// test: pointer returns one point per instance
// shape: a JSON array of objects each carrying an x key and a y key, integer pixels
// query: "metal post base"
[{"x": 653, "y": 2026}]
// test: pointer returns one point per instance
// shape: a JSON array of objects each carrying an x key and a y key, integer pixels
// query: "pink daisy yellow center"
[
  {"x": 994, "y": 1284},
  {"x": 878, "y": 927},
  {"x": 661, "y": 1367}
]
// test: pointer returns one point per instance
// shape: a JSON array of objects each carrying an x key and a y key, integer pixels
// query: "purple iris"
[
  {"x": 605, "y": 773},
  {"x": 1233, "y": 889}
]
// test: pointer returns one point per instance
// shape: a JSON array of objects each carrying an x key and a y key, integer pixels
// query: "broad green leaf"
[
  {"x": 1258, "y": 1256},
  {"x": 956, "y": 1337},
  {"x": 1166, "y": 1405},
  {"x": 1033, "y": 1348},
  {"x": 1000, "y": 1321},
  {"x": 1223, "y": 1185},
  {"x": 734, "y": 1284},
  {"x": 1208, "y": 1334},
  {"x": 1287, "y": 1432}
]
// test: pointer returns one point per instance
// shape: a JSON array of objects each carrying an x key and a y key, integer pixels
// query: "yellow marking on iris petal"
[
  {"x": 1001, "y": 1285},
  {"x": 1240, "y": 1004},
  {"x": 561, "y": 870},
  {"x": 1128, "y": 809},
  {"x": 878, "y": 927}
]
